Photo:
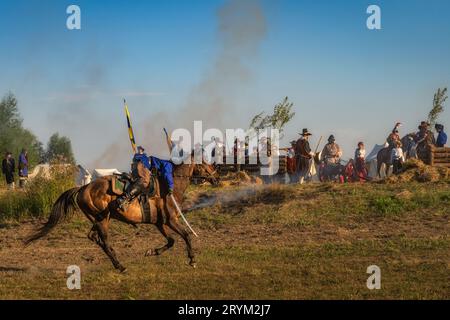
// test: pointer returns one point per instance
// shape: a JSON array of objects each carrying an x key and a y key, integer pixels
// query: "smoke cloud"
[{"x": 241, "y": 29}]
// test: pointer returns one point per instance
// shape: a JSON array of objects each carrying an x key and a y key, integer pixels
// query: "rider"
[
  {"x": 141, "y": 175},
  {"x": 331, "y": 153},
  {"x": 393, "y": 136}
]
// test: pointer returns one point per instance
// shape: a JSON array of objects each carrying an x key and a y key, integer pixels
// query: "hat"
[
  {"x": 293, "y": 142},
  {"x": 140, "y": 148},
  {"x": 439, "y": 126},
  {"x": 331, "y": 138},
  {"x": 305, "y": 132}
]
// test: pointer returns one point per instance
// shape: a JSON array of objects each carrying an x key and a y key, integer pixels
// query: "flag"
[{"x": 130, "y": 128}]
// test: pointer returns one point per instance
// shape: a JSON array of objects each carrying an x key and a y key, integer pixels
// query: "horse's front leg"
[
  {"x": 170, "y": 241},
  {"x": 102, "y": 229}
]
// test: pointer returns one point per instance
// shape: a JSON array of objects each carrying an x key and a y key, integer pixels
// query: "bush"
[{"x": 37, "y": 199}]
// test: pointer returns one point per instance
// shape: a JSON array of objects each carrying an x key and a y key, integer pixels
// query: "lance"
[
  {"x": 169, "y": 141},
  {"x": 182, "y": 215},
  {"x": 130, "y": 128}
]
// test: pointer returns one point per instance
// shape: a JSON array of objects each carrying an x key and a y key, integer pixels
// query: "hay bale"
[
  {"x": 416, "y": 170},
  {"x": 242, "y": 176}
]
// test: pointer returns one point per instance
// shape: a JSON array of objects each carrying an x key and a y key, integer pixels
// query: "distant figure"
[
  {"x": 360, "y": 161},
  {"x": 331, "y": 153},
  {"x": 290, "y": 162},
  {"x": 397, "y": 158},
  {"x": 8, "y": 168},
  {"x": 23, "y": 168},
  {"x": 303, "y": 155},
  {"x": 441, "y": 140},
  {"x": 393, "y": 136}
]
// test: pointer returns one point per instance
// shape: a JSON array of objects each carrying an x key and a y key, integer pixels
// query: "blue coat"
[
  {"x": 441, "y": 139},
  {"x": 165, "y": 167}
]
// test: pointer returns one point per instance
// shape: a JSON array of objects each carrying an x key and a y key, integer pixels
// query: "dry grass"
[{"x": 277, "y": 242}]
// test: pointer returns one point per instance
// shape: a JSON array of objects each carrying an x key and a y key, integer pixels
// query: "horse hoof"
[
  {"x": 150, "y": 253},
  {"x": 123, "y": 270}
]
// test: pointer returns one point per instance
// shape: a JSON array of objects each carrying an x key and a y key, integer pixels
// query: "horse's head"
[{"x": 207, "y": 172}]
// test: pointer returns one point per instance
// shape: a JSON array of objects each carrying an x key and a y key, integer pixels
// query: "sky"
[{"x": 221, "y": 61}]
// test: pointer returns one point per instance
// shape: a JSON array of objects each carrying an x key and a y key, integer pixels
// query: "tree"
[
  {"x": 282, "y": 114},
  {"x": 59, "y": 149},
  {"x": 13, "y": 137},
  {"x": 438, "y": 105}
]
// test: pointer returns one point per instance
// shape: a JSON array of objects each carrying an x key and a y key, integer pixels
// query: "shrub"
[{"x": 37, "y": 199}]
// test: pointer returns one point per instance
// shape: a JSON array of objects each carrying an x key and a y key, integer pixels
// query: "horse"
[
  {"x": 97, "y": 201},
  {"x": 331, "y": 172},
  {"x": 384, "y": 156}
]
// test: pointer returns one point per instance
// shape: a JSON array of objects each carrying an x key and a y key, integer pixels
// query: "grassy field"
[{"x": 278, "y": 242}]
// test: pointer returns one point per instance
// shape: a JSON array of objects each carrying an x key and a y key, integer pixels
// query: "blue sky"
[{"x": 343, "y": 78}]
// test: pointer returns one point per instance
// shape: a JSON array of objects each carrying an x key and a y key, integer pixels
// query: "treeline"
[{"x": 14, "y": 137}]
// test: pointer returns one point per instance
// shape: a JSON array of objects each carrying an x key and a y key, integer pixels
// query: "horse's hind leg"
[
  {"x": 175, "y": 226},
  {"x": 170, "y": 241},
  {"x": 102, "y": 229}
]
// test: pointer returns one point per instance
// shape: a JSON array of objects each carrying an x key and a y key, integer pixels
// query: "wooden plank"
[{"x": 447, "y": 165}]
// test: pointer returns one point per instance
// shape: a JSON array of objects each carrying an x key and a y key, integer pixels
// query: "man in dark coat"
[
  {"x": 8, "y": 167},
  {"x": 303, "y": 154}
]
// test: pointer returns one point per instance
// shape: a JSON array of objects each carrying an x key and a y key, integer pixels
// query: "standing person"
[
  {"x": 304, "y": 155},
  {"x": 331, "y": 153},
  {"x": 23, "y": 168},
  {"x": 290, "y": 162},
  {"x": 441, "y": 140},
  {"x": 397, "y": 158},
  {"x": 360, "y": 161},
  {"x": 8, "y": 168}
]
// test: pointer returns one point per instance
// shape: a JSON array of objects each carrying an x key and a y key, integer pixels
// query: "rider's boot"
[{"x": 129, "y": 196}]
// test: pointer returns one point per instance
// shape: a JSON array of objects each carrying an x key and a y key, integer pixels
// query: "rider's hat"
[
  {"x": 140, "y": 148},
  {"x": 331, "y": 138}
]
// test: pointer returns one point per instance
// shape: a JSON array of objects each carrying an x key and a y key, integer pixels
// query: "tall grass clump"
[{"x": 37, "y": 198}]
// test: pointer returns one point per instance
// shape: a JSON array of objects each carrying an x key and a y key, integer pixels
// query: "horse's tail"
[{"x": 63, "y": 209}]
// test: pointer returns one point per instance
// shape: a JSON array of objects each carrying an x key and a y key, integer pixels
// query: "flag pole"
[{"x": 130, "y": 128}]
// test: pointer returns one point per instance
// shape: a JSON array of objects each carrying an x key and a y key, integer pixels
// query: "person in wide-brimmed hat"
[{"x": 303, "y": 155}]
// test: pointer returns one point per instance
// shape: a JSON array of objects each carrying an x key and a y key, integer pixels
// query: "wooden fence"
[{"x": 440, "y": 157}]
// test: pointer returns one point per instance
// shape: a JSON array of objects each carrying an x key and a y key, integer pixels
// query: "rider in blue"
[
  {"x": 165, "y": 168},
  {"x": 141, "y": 177}
]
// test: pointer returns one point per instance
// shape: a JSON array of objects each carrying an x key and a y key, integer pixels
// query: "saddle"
[{"x": 119, "y": 183}]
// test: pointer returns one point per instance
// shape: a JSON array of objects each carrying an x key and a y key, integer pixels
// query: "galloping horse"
[{"x": 97, "y": 201}]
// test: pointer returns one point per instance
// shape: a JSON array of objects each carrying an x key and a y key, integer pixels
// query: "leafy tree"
[
  {"x": 59, "y": 149},
  {"x": 13, "y": 137},
  {"x": 282, "y": 114},
  {"x": 438, "y": 105}
]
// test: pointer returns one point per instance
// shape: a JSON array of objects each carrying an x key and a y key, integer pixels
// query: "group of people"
[
  {"x": 9, "y": 169},
  {"x": 300, "y": 157}
]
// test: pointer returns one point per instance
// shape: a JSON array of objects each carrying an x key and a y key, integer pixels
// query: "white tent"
[
  {"x": 84, "y": 177},
  {"x": 104, "y": 172}
]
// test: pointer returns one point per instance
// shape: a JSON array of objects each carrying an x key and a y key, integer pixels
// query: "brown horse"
[{"x": 97, "y": 201}]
